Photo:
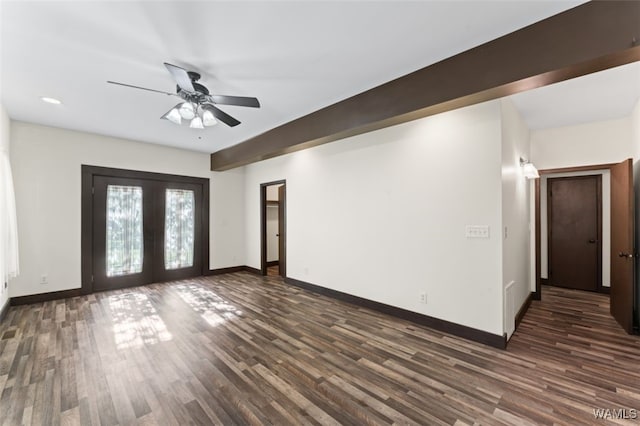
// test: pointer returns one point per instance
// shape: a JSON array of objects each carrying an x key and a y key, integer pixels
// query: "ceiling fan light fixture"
[
  {"x": 196, "y": 123},
  {"x": 197, "y": 105},
  {"x": 208, "y": 119},
  {"x": 187, "y": 111},
  {"x": 173, "y": 116}
]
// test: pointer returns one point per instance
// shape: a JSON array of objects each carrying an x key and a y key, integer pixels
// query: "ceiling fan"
[{"x": 198, "y": 104}]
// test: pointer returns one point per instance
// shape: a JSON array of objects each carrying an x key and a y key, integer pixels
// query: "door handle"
[
  {"x": 628, "y": 255},
  {"x": 592, "y": 241}
]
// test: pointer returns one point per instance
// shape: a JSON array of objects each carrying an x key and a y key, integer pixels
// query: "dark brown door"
[
  {"x": 178, "y": 236},
  {"x": 145, "y": 231},
  {"x": 123, "y": 232},
  {"x": 622, "y": 250},
  {"x": 574, "y": 232},
  {"x": 282, "y": 230}
]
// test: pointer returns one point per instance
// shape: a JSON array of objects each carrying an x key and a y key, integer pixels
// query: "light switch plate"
[{"x": 477, "y": 231}]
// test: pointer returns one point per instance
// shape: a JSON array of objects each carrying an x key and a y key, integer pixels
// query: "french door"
[
  {"x": 144, "y": 230},
  {"x": 123, "y": 232}
]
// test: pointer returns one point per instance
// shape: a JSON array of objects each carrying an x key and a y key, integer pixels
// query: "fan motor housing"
[
  {"x": 200, "y": 94},
  {"x": 200, "y": 88}
]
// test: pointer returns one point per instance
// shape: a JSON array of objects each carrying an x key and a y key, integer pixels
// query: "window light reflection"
[
  {"x": 213, "y": 308},
  {"x": 136, "y": 322}
]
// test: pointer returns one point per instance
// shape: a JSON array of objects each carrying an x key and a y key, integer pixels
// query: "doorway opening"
[
  {"x": 140, "y": 227},
  {"x": 622, "y": 252},
  {"x": 273, "y": 229}
]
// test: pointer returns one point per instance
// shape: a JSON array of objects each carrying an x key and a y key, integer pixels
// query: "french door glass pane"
[
  {"x": 124, "y": 230},
  {"x": 179, "y": 228}
]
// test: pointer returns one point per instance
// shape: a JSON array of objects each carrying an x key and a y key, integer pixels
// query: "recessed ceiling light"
[{"x": 53, "y": 101}]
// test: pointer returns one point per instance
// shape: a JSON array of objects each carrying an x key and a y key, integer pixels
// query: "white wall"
[
  {"x": 226, "y": 223},
  {"x": 635, "y": 131},
  {"x": 382, "y": 215},
  {"x": 606, "y": 222},
  {"x": 515, "y": 207},
  {"x": 588, "y": 144},
  {"x": 46, "y": 164},
  {"x": 4, "y": 145}
]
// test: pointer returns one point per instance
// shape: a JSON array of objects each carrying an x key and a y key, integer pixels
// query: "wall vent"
[{"x": 509, "y": 309}]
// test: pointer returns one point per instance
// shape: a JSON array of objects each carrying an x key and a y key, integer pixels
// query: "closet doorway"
[{"x": 273, "y": 242}]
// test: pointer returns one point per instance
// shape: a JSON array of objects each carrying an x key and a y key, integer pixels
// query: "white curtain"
[
  {"x": 9, "y": 267},
  {"x": 179, "y": 228},
  {"x": 125, "y": 245}
]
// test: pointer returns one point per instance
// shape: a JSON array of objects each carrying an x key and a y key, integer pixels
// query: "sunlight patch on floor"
[
  {"x": 213, "y": 308},
  {"x": 136, "y": 322}
]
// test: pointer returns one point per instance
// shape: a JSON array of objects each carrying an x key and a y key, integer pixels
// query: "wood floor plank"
[{"x": 240, "y": 349}]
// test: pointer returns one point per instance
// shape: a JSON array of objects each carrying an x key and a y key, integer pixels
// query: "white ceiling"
[
  {"x": 604, "y": 95},
  {"x": 295, "y": 56}
]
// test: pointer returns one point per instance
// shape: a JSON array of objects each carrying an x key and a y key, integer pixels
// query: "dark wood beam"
[{"x": 591, "y": 37}]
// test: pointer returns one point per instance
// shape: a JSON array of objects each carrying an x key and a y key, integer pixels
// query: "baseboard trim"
[
  {"x": 227, "y": 270},
  {"x": 252, "y": 270},
  {"x": 600, "y": 288},
  {"x": 65, "y": 294},
  {"x": 273, "y": 263},
  {"x": 4, "y": 310},
  {"x": 448, "y": 327},
  {"x": 45, "y": 297},
  {"x": 523, "y": 309}
]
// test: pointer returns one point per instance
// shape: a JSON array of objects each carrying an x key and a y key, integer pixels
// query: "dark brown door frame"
[
  {"x": 282, "y": 230},
  {"x": 537, "y": 295},
  {"x": 263, "y": 223},
  {"x": 599, "y": 287},
  {"x": 88, "y": 174}
]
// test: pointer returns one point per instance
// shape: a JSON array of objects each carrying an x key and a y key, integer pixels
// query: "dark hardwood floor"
[
  {"x": 229, "y": 349},
  {"x": 273, "y": 271}
]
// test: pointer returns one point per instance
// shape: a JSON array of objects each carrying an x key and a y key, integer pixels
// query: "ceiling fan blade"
[
  {"x": 181, "y": 77},
  {"x": 235, "y": 100},
  {"x": 221, "y": 115},
  {"x": 142, "y": 88}
]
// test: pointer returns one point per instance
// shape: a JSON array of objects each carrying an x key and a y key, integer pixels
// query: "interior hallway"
[{"x": 229, "y": 349}]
